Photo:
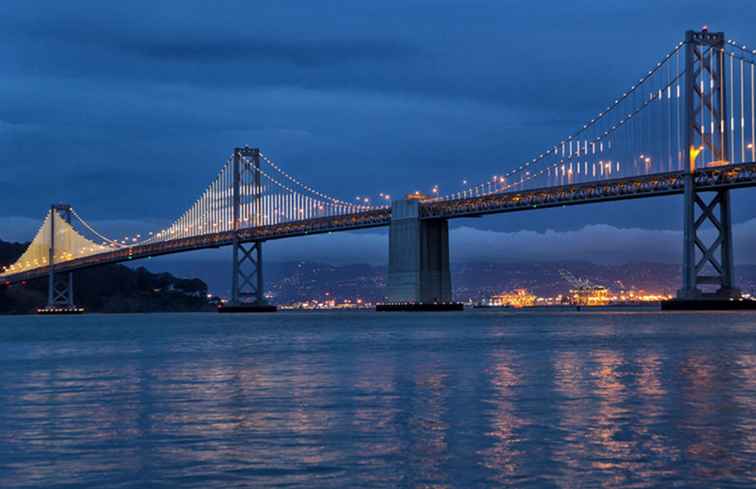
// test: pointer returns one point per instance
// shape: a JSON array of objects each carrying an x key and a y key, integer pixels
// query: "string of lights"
[
  {"x": 639, "y": 133},
  {"x": 308, "y": 188},
  {"x": 741, "y": 47},
  {"x": 604, "y": 166},
  {"x": 602, "y": 115},
  {"x": 593, "y": 146},
  {"x": 68, "y": 245},
  {"x": 94, "y": 231}
]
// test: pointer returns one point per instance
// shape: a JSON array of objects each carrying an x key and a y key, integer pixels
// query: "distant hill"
[
  {"x": 109, "y": 288},
  {"x": 117, "y": 288},
  {"x": 293, "y": 281},
  {"x": 302, "y": 280}
]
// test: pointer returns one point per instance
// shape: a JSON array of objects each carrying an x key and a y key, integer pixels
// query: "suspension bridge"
[{"x": 686, "y": 126}]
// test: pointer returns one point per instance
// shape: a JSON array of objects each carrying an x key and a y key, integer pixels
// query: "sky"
[{"x": 127, "y": 110}]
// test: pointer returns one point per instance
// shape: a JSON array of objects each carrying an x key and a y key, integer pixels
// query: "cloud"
[
  {"x": 302, "y": 53},
  {"x": 129, "y": 108},
  {"x": 456, "y": 51},
  {"x": 602, "y": 243},
  {"x": 19, "y": 229}
]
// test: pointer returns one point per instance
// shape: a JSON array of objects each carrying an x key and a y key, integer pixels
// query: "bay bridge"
[{"x": 686, "y": 126}]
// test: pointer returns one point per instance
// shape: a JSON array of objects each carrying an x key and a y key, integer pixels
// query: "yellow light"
[{"x": 694, "y": 152}]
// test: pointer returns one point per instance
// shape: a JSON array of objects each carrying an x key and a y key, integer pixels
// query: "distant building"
[
  {"x": 517, "y": 298},
  {"x": 590, "y": 295}
]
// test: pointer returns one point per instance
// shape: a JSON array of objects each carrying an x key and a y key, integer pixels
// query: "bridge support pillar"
[
  {"x": 707, "y": 256},
  {"x": 247, "y": 275},
  {"x": 708, "y": 268},
  {"x": 60, "y": 291},
  {"x": 418, "y": 276},
  {"x": 60, "y": 298},
  {"x": 247, "y": 280}
]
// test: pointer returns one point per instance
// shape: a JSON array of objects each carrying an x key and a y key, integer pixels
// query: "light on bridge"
[{"x": 694, "y": 152}]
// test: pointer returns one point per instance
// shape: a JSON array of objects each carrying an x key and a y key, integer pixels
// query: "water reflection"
[
  {"x": 574, "y": 404},
  {"x": 427, "y": 428},
  {"x": 744, "y": 396},
  {"x": 373, "y": 423},
  {"x": 703, "y": 384},
  {"x": 503, "y": 457},
  {"x": 612, "y": 446},
  {"x": 650, "y": 416},
  {"x": 473, "y": 401}
]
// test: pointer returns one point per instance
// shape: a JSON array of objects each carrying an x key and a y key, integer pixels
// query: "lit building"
[
  {"x": 517, "y": 298},
  {"x": 590, "y": 295}
]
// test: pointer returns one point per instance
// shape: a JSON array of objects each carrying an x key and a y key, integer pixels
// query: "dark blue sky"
[{"x": 127, "y": 109}]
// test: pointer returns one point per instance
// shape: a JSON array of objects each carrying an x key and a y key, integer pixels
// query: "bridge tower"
[
  {"x": 60, "y": 298},
  {"x": 247, "y": 290},
  {"x": 706, "y": 264}
]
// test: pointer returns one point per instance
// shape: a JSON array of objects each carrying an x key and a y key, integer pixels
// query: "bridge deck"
[
  {"x": 362, "y": 220},
  {"x": 732, "y": 176},
  {"x": 654, "y": 185}
]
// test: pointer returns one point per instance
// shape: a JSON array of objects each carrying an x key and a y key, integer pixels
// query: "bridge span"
[
  {"x": 655, "y": 185},
  {"x": 687, "y": 126}
]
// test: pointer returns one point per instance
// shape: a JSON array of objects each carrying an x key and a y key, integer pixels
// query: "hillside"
[{"x": 110, "y": 288}]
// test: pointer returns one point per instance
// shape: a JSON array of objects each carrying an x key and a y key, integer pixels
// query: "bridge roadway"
[{"x": 659, "y": 184}]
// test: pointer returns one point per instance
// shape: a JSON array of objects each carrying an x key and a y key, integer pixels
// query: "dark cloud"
[{"x": 303, "y": 53}]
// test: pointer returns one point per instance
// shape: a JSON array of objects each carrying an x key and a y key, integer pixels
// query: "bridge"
[{"x": 687, "y": 126}]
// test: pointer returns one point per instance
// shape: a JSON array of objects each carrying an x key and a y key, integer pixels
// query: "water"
[{"x": 470, "y": 400}]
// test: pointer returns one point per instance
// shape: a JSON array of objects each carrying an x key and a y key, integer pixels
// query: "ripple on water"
[{"x": 470, "y": 400}]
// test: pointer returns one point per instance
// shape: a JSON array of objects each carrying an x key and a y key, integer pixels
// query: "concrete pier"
[{"x": 418, "y": 257}]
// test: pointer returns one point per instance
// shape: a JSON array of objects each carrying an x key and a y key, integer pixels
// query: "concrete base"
[
  {"x": 54, "y": 311},
  {"x": 708, "y": 305},
  {"x": 415, "y": 307},
  {"x": 418, "y": 257},
  {"x": 247, "y": 308}
]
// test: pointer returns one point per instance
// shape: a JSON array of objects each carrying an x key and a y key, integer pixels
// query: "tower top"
[
  {"x": 247, "y": 151},
  {"x": 706, "y": 38}
]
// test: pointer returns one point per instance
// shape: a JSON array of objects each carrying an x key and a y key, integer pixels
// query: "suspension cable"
[
  {"x": 93, "y": 230},
  {"x": 619, "y": 124},
  {"x": 599, "y": 117},
  {"x": 310, "y": 189}
]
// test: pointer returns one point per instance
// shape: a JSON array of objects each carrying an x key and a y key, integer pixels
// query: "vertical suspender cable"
[
  {"x": 246, "y": 192},
  {"x": 670, "y": 115},
  {"x": 702, "y": 107},
  {"x": 732, "y": 108},
  {"x": 217, "y": 224},
  {"x": 680, "y": 150},
  {"x": 742, "y": 115},
  {"x": 214, "y": 207},
  {"x": 224, "y": 226},
  {"x": 227, "y": 205},
  {"x": 216, "y": 202},
  {"x": 224, "y": 197}
]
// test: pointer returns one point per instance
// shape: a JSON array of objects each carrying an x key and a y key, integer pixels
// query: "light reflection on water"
[{"x": 368, "y": 400}]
